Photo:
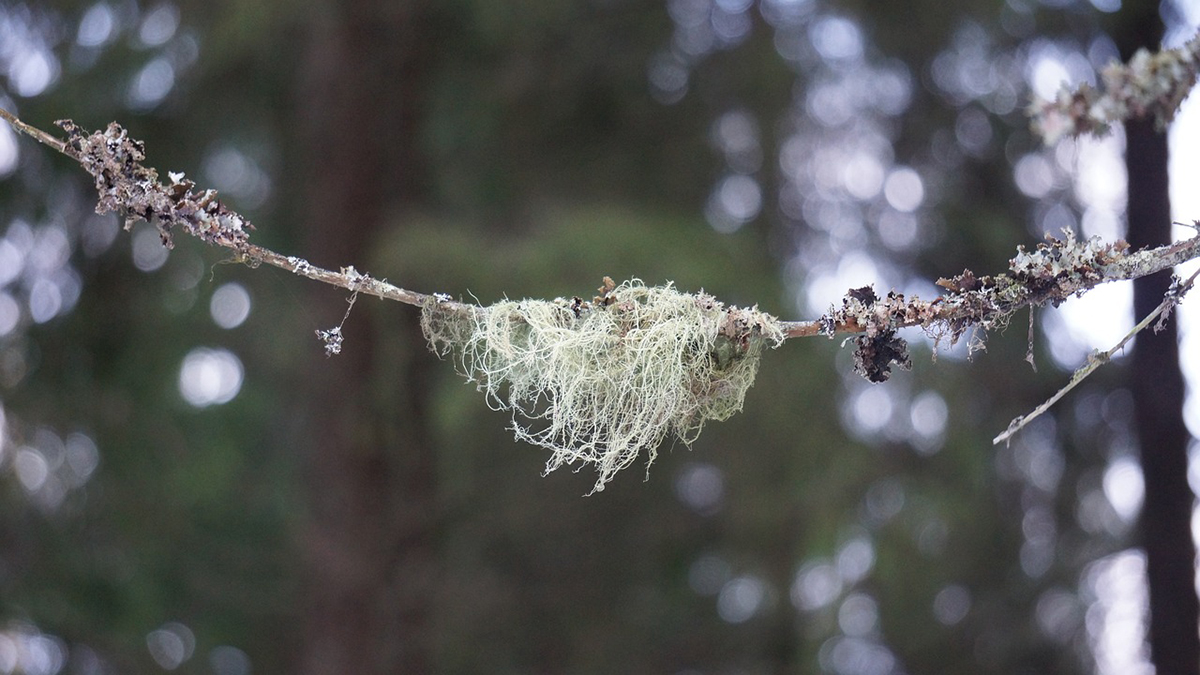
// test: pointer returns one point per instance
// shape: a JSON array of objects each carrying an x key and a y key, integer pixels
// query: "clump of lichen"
[{"x": 596, "y": 382}]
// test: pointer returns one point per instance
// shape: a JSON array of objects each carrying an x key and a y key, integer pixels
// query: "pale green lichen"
[{"x": 597, "y": 382}]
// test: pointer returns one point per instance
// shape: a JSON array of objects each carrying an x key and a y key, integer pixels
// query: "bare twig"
[
  {"x": 347, "y": 278},
  {"x": 1100, "y": 358},
  {"x": 34, "y": 132}
]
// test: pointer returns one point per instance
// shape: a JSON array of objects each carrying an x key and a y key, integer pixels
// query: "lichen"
[
  {"x": 874, "y": 356},
  {"x": 1151, "y": 85},
  {"x": 597, "y": 382},
  {"x": 133, "y": 190}
]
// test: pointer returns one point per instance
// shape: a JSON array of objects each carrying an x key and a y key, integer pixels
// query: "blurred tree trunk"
[
  {"x": 369, "y": 543},
  {"x": 1158, "y": 390}
]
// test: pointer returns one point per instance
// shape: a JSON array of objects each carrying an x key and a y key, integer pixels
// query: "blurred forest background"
[{"x": 189, "y": 484}]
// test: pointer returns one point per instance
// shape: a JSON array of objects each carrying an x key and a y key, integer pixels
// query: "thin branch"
[
  {"x": 34, "y": 132},
  {"x": 129, "y": 188},
  {"x": 1100, "y": 358},
  {"x": 1049, "y": 274},
  {"x": 1150, "y": 85}
]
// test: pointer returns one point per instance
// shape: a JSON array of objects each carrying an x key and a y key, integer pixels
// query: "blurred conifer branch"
[{"x": 1151, "y": 84}]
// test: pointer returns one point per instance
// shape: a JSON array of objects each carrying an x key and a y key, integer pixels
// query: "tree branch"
[
  {"x": 134, "y": 191},
  {"x": 1051, "y": 273},
  {"x": 1149, "y": 85}
]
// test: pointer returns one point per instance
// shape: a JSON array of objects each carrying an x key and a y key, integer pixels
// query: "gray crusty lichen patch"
[
  {"x": 133, "y": 190},
  {"x": 598, "y": 381}
]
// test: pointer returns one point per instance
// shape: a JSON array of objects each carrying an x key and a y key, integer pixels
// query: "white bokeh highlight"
[{"x": 210, "y": 377}]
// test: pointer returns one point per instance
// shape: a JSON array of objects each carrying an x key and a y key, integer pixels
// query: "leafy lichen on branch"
[
  {"x": 128, "y": 187},
  {"x": 1048, "y": 275}
]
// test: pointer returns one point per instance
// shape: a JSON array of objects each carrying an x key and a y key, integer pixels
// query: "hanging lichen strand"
[{"x": 598, "y": 382}]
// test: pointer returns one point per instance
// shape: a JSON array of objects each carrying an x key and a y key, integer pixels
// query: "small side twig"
[
  {"x": 333, "y": 337},
  {"x": 1097, "y": 359}
]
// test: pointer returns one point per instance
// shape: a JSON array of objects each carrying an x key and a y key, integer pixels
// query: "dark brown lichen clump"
[{"x": 875, "y": 356}]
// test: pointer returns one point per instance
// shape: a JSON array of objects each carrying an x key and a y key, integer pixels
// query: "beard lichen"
[{"x": 597, "y": 382}]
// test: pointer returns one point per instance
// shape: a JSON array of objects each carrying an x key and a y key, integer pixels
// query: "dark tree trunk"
[
  {"x": 1157, "y": 386},
  {"x": 369, "y": 541},
  {"x": 1158, "y": 390}
]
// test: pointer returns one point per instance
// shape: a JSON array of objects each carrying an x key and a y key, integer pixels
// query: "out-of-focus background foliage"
[{"x": 189, "y": 484}]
